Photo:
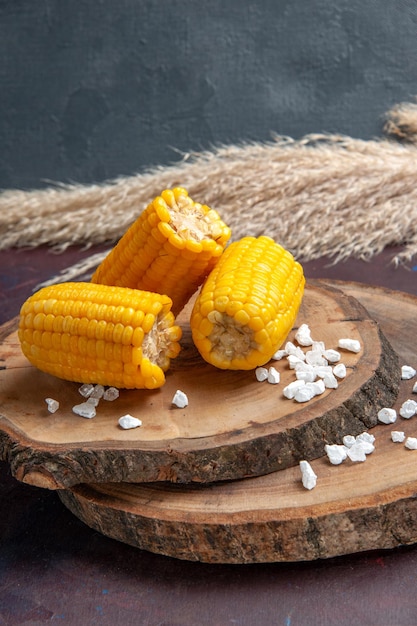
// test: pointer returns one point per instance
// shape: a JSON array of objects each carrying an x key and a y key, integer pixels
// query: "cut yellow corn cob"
[
  {"x": 248, "y": 304},
  {"x": 170, "y": 248},
  {"x": 99, "y": 334}
]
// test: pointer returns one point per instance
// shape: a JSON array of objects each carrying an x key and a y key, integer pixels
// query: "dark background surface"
[
  {"x": 95, "y": 89},
  {"x": 91, "y": 90},
  {"x": 56, "y": 570}
]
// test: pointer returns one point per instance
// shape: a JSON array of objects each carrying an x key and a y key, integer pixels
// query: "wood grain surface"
[
  {"x": 354, "y": 507},
  {"x": 234, "y": 426}
]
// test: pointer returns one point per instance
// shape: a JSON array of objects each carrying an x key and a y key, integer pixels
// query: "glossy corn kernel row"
[
  {"x": 248, "y": 304},
  {"x": 169, "y": 249},
  {"x": 99, "y": 334}
]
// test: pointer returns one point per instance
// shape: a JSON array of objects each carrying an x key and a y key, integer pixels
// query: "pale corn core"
[
  {"x": 190, "y": 220},
  {"x": 229, "y": 339},
  {"x": 157, "y": 342}
]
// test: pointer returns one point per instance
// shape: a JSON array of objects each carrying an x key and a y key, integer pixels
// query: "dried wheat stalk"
[{"x": 319, "y": 196}]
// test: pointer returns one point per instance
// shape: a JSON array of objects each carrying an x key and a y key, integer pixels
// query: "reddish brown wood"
[
  {"x": 354, "y": 507},
  {"x": 234, "y": 427}
]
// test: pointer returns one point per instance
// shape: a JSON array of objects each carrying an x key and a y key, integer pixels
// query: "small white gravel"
[
  {"x": 308, "y": 476},
  {"x": 180, "y": 399},
  {"x": 52, "y": 405},
  {"x": 387, "y": 416},
  {"x": 411, "y": 443},
  {"x": 261, "y": 374},
  {"x": 349, "y": 440},
  {"x": 111, "y": 394},
  {"x": 303, "y": 335},
  {"x": 351, "y": 345},
  {"x": 273, "y": 376},
  {"x": 407, "y": 372},
  {"x": 336, "y": 453},
  {"x": 85, "y": 409},
  {"x": 128, "y": 422},
  {"x": 397, "y": 436},
  {"x": 408, "y": 409},
  {"x": 339, "y": 370}
]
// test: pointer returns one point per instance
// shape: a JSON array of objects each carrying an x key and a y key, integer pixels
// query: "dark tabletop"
[{"x": 54, "y": 569}]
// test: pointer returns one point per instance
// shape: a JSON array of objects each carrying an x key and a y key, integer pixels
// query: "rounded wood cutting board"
[
  {"x": 354, "y": 507},
  {"x": 233, "y": 427}
]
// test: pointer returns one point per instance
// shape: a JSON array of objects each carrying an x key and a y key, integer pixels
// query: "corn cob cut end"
[{"x": 99, "y": 334}]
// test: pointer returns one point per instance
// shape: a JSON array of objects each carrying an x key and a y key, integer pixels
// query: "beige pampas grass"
[{"x": 323, "y": 195}]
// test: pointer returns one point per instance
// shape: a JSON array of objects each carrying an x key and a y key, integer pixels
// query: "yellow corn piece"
[
  {"x": 248, "y": 304},
  {"x": 99, "y": 334},
  {"x": 170, "y": 248}
]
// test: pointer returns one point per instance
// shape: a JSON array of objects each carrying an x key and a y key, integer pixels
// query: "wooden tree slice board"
[
  {"x": 354, "y": 506},
  {"x": 234, "y": 426}
]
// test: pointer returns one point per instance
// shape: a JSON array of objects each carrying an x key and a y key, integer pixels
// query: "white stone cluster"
[
  {"x": 316, "y": 368},
  {"x": 93, "y": 394},
  {"x": 407, "y": 410},
  {"x": 354, "y": 448}
]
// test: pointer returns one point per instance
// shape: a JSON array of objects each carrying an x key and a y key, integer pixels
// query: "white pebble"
[
  {"x": 261, "y": 374},
  {"x": 408, "y": 409},
  {"x": 387, "y": 416},
  {"x": 366, "y": 446},
  {"x": 415, "y": 388},
  {"x": 336, "y": 453},
  {"x": 85, "y": 409},
  {"x": 128, "y": 421},
  {"x": 308, "y": 476},
  {"x": 330, "y": 381},
  {"x": 53, "y": 405},
  {"x": 97, "y": 392},
  {"x": 407, "y": 372},
  {"x": 397, "y": 436},
  {"x": 304, "y": 393},
  {"x": 356, "y": 453},
  {"x": 180, "y": 399},
  {"x": 112, "y": 393},
  {"x": 332, "y": 356},
  {"x": 316, "y": 358},
  {"x": 293, "y": 350},
  {"x": 304, "y": 371},
  {"x": 411, "y": 443},
  {"x": 363, "y": 445},
  {"x": 365, "y": 436},
  {"x": 318, "y": 346},
  {"x": 293, "y": 361},
  {"x": 303, "y": 335},
  {"x": 86, "y": 390},
  {"x": 291, "y": 388},
  {"x": 352, "y": 345},
  {"x": 93, "y": 401},
  {"x": 339, "y": 370},
  {"x": 317, "y": 386},
  {"x": 279, "y": 354},
  {"x": 349, "y": 440},
  {"x": 323, "y": 370},
  {"x": 273, "y": 376}
]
